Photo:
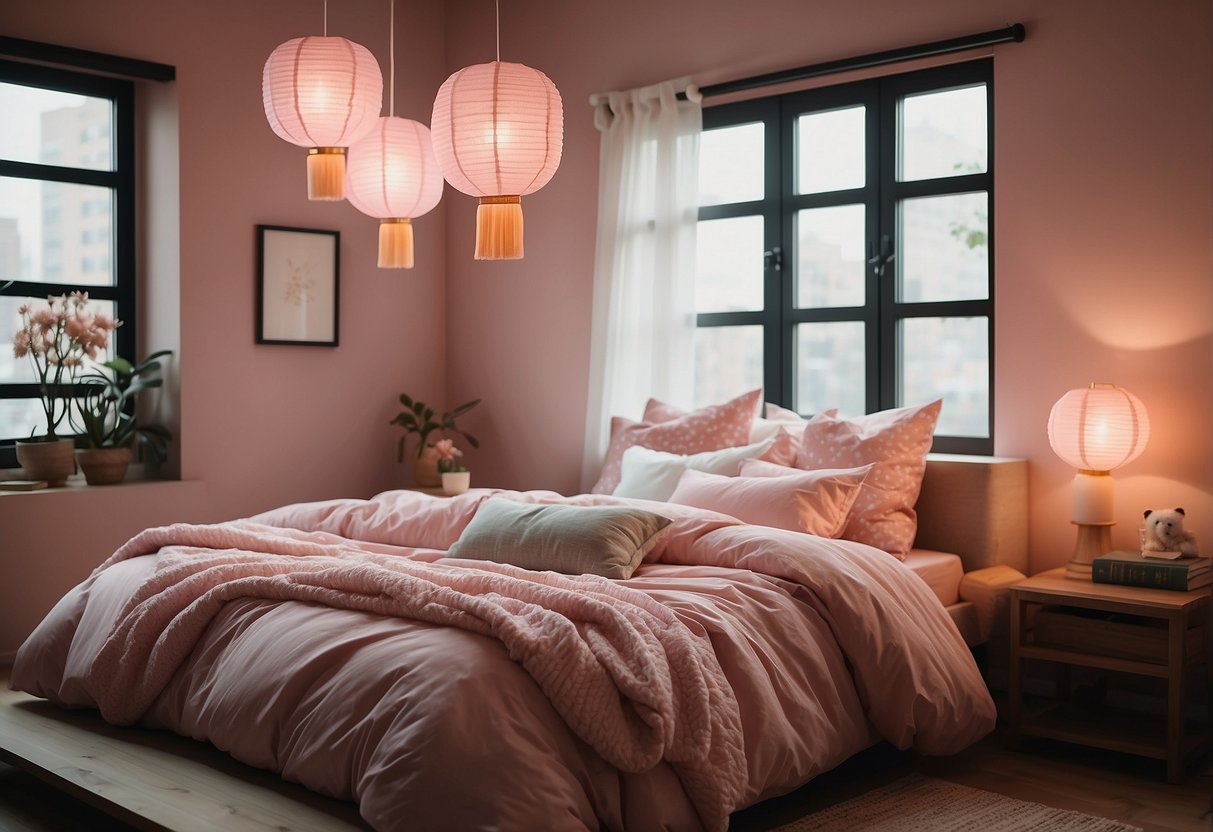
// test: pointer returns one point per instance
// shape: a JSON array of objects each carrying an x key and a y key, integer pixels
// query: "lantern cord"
[
  {"x": 326, "y": 18},
  {"x": 391, "y": 51},
  {"x": 497, "y": 5}
]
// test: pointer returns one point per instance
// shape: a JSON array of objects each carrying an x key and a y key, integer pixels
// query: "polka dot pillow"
[
  {"x": 706, "y": 429},
  {"x": 896, "y": 443},
  {"x": 783, "y": 424}
]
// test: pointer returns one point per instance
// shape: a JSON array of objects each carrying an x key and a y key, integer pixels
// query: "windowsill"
[{"x": 135, "y": 479}]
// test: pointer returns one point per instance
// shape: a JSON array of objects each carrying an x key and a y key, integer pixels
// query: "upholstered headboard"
[{"x": 977, "y": 507}]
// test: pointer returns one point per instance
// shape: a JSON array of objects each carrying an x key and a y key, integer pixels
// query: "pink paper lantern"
[
  {"x": 498, "y": 133},
  {"x": 1098, "y": 428},
  {"x": 393, "y": 175},
  {"x": 322, "y": 93}
]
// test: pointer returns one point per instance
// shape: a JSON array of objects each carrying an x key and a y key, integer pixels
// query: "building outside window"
[
  {"x": 67, "y": 214},
  {"x": 845, "y": 249}
]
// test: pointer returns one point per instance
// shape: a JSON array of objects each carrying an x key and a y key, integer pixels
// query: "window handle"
[
  {"x": 773, "y": 259},
  {"x": 886, "y": 256}
]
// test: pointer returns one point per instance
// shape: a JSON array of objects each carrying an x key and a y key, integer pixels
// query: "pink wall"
[
  {"x": 1104, "y": 209},
  {"x": 259, "y": 425}
]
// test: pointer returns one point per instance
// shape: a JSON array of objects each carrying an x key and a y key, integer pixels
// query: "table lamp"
[{"x": 1096, "y": 429}]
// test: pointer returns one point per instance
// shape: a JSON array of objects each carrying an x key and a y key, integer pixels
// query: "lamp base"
[{"x": 1094, "y": 539}]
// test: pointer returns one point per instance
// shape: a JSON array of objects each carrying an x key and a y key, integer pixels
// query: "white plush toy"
[{"x": 1165, "y": 532}]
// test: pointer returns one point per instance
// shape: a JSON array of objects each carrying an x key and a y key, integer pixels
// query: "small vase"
[
  {"x": 425, "y": 468},
  {"x": 103, "y": 466},
  {"x": 455, "y": 482},
  {"x": 50, "y": 461}
]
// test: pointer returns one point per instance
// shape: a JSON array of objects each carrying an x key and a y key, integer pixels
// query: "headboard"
[{"x": 977, "y": 507}]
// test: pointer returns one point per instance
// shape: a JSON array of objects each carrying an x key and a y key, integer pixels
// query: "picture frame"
[{"x": 298, "y": 282}]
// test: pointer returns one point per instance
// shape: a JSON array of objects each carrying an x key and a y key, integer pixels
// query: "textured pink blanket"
[{"x": 629, "y": 678}]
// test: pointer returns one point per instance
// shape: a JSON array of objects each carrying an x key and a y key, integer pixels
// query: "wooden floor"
[{"x": 182, "y": 785}]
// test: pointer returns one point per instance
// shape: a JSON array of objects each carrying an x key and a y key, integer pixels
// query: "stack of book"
[{"x": 1134, "y": 569}]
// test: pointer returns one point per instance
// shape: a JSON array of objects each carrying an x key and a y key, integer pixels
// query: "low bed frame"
[{"x": 153, "y": 780}]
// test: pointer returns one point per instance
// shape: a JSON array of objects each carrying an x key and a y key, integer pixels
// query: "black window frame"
[
  {"x": 121, "y": 181},
  {"x": 882, "y": 312}
]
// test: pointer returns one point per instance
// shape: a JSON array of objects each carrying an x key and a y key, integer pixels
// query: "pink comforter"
[{"x": 333, "y": 643}]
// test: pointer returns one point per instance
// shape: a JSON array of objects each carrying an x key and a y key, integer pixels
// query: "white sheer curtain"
[{"x": 643, "y": 337}]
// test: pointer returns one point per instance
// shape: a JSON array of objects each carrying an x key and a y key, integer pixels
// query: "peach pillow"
[
  {"x": 817, "y": 502},
  {"x": 896, "y": 443},
  {"x": 706, "y": 429}
]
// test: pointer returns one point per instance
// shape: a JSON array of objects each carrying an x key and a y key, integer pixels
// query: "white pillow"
[{"x": 653, "y": 475}]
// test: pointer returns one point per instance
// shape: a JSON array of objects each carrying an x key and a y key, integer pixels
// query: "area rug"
[{"x": 916, "y": 803}]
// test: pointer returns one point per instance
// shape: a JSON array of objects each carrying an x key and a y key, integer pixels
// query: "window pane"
[
  {"x": 21, "y": 418},
  {"x": 949, "y": 358},
  {"x": 728, "y": 265},
  {"x": 56, "y": 232},
  {"x": 21, "y": 370},
  {"x": 728, "y": 362},
  {"x": 830, "y": 151},
  {"x": 943, "y": 134},
  {"x": 731, "y": 164},
  {"x": 830, "y": 367},
  {"x": 830, "y": 264},
  {"x": 944, "y": 248},
  {"x": 55, "y": 128}
]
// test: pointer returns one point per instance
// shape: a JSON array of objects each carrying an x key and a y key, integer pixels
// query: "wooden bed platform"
[{"x": 154, "y": 780}]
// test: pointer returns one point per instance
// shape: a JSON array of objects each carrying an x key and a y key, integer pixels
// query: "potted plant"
[
  {"x": 110, "y": 421},
  {"x": 57, "y": 339},
  {"x": 419, "y": 418},
  {"x": 455, "y": 478}
]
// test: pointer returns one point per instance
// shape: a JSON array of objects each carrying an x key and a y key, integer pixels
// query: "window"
[
  {"x": 845, "y": 249},
  {"x": 67, "y": 214}
]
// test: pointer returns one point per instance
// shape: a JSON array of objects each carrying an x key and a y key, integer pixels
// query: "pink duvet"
[{"x": 333, "y": 643}]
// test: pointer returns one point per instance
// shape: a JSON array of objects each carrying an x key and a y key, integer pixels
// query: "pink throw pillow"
[
  {"x": 706, "y": 429},
  {"x": 817, "y": 502},
  {"x": 896, "y": 443},
  {"x": 785, "y": 425}
]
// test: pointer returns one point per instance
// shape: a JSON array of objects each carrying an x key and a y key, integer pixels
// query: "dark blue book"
[{"x": 1134, "y": 569}]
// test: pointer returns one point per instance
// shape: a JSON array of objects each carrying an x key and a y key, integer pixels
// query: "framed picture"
[{"x": 297, "y": 282}]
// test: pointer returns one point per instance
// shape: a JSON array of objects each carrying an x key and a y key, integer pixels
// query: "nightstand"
[{"x": 1148, "y": 632}]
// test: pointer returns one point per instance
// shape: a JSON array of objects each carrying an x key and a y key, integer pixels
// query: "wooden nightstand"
[{"x": 1149, "y": 632}]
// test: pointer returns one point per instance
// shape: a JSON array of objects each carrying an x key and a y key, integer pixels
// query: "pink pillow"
[
  {"x": 785, "y": 425},
  {"x": 896, "y": 443},
  {"x": 817, "y": 502},
  {"x": 706, "y": 429}
]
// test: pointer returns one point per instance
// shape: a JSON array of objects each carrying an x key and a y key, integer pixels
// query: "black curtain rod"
[
  {"x": 1011, "y": 33},
  {"x": 67, "y": 56}
]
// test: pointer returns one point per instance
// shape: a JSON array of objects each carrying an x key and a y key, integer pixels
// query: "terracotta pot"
[
  {"x": 50, "y": 461},
  {"x": 455, "y": 482},
  {"x": 425, "y": 468},
  {"x": 103, "y": 466}
]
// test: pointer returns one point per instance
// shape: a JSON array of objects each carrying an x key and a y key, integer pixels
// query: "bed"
[{"x": 522, "y": 660}]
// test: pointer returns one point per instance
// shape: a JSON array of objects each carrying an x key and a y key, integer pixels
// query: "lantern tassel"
[
  {"x": 326, "y": 174},
  {"x": 499, "y": 228},
  {"x": 395, "y": 243}
]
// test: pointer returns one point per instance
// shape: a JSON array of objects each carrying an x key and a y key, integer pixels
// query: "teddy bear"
[{"x": 1165, "y": 532}]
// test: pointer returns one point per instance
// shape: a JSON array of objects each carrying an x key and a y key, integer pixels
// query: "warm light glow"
[
  {"x": 393, "y": 175},
  {"x": 498, "y": 131},
  {"x": 322, "y": 92},
  {"x": 1098, "y": 428}
]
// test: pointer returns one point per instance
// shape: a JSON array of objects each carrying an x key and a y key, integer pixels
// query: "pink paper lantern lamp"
[
  {"x": 498, "y": 133},
  {"x": 1096, "y": 430},
  {"x": 322, "y": 93},
  {"x": 393, "y": 175}
]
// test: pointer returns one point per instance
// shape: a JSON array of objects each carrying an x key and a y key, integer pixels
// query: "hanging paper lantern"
[
  {"x": 394, "y": 176},
  {"x": 498, "y": 132},
  {"x": 322, "y": 93}
]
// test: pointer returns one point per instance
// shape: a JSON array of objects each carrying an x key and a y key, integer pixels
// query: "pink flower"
[
  {"x": 21, "y": 344},
  {"x": 446, "y": 449}
]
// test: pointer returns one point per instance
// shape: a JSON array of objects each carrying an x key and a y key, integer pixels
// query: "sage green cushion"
[{"x": 598, "y": 540}]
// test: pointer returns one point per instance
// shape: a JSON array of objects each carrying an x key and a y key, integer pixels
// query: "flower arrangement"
[
  {"x": 57, "y": 339},
  {"x": 448, "y": 457},
  {"x": 418, "y": 417}
]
